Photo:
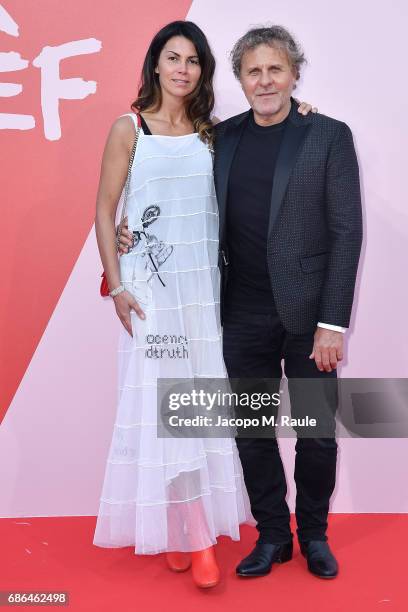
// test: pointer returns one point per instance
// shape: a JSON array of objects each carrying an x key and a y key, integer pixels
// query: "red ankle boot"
[
  {"x": 178, "y": 561},
  {"x": 205, "y": 569}
]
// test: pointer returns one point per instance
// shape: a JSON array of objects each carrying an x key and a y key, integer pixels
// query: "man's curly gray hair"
[{"x": 273, "y": 36}]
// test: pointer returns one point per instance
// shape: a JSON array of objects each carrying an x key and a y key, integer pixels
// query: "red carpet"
[{"x": 46, "y": 554}]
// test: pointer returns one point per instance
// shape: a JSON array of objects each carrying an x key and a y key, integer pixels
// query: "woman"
[{"x": 167, "y": 494}]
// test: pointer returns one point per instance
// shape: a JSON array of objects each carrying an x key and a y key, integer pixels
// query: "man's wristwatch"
[{"x": 116, "y": 291}]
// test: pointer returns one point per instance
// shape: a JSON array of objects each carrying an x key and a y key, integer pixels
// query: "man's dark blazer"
[{"x": 315, "y": 224}]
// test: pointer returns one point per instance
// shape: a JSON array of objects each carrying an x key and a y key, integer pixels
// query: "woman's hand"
[
  {"x": 124, "y": 303},
  {"x": 305, "y": 108}
]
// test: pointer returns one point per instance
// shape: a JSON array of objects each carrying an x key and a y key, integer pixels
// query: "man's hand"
[
  {"x": 125, "y": 238},
  {"x": 327, "y": 349}
]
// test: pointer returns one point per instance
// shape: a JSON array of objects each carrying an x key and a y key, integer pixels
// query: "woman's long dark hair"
[{"x": 200, "y": 103}]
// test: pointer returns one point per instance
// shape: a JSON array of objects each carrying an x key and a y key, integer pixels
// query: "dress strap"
[{"x": 135, "y": 118}]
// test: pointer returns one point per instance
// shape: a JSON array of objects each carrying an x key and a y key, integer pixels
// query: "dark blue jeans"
[{"x": 254, "y": 346}]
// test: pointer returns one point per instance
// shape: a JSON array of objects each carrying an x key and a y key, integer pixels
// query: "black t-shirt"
[{"x": 248, "y": 208}]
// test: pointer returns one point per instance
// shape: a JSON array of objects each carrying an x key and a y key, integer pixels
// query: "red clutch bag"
[{"x": 104, "y": 289}]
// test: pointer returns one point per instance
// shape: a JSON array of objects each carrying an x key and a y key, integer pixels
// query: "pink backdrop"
[{"x": 59, "y": 338}]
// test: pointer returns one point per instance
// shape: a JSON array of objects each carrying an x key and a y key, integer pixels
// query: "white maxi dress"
[{"x": 169, "y": 494}]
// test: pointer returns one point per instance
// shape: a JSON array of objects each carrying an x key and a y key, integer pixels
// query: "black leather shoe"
[
  {"x": 259, "y": 561},
  {"x": 320, "y": 560}
]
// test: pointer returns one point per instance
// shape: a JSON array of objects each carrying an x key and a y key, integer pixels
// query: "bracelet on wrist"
[{"x": 116, "y": 291}]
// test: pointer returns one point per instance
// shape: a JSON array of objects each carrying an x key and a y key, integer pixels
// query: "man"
[{"x": 290, "y": 238}]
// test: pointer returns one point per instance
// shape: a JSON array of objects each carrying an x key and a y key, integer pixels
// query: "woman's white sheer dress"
[{"x": 169, "y": 494}]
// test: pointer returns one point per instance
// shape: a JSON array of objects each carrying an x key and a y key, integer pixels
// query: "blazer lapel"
[
  {"x": 293, "y": 137},
  {"x": 225, "y": 152}
]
